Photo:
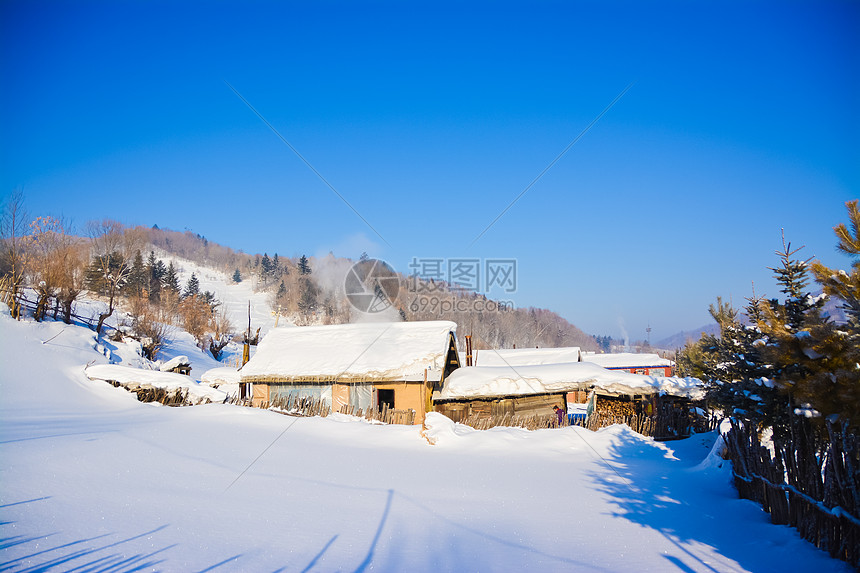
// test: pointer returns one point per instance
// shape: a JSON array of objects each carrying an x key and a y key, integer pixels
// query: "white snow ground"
[{"x": 92, "y": 480}]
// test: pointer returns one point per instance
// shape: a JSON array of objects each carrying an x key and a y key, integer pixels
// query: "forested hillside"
[
  {"x": 132, "y": 268},
  {"x": 309, "y": 290}
]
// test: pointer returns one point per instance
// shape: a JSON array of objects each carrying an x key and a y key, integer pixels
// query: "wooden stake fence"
[{"x": 810, "y": 482}]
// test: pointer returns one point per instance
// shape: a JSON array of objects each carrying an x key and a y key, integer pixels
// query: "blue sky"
[{"x": 430, "y": 118}]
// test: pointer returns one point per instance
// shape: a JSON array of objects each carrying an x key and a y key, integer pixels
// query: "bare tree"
[
  {"x": 113, "y": 249},
  {"x": 48, "y": 240},
  {"x": 13, "y": 230},
  {"x": 222, "y": 332},
  {"x": 73, "y": 260}
]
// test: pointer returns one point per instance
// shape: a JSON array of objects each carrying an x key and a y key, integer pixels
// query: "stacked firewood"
[{"x": 615, "y": 407}]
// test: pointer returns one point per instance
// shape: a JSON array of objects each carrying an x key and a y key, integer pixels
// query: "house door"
[{"x": 385, "y": 397}]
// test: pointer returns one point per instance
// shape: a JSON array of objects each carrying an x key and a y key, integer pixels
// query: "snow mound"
[{"x": 223, "y": 375}]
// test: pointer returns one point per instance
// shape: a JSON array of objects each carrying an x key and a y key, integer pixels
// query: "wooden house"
[{"x": 351, "y": 367}]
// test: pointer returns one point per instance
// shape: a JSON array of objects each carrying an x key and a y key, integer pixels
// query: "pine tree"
[
  {"x": 787, "y": 327},
  {"x": 308, "y": 296},
  {"x": 137, "y": 278},
  {"x": 154, "y": 273},
  {"x": 304, "y": 266},
  {"x": 237, "y": 276},
  {"x": 209, "y": 298},
  {"x": 171, "y": 279},
  {"x": 730, "y": 365},
  {"x": 833, "y": 385},
  {"x": 275, "y": 271},
  {"x": 192, "y": 287},
  {"x": 282, "y": 291},
  {"x": 265, "y": 267},
  {"x": 793, "y": 276},
  {"x": 97, "y": 276}
]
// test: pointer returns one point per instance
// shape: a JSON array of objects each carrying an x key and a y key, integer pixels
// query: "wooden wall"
[
  {"x": 407, "y": 396},
  {"x": 515, "y": 405}
]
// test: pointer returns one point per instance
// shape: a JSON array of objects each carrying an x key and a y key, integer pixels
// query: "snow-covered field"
[{"x": 92, "y": 480}]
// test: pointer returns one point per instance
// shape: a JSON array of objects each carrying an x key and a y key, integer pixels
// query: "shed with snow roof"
[
  {"x": 391, "y": 365},
  {"x": 634, "y": 363},
  {"x": 526, "y": 356},
  {"x": 475, "y": 394}
]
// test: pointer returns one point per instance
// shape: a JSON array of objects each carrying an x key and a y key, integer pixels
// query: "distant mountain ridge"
[
  {"x": 832, "y": 308},
  {"x": 680, "y": 339}
]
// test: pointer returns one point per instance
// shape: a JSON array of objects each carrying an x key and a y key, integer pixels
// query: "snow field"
[{"x": 92, "y": 479}]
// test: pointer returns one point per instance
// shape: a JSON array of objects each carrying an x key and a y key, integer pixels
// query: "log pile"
[{"x": 617, "y": 408}]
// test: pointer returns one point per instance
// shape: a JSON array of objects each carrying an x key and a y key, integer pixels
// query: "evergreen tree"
[
  {"x": 237, "y": 276},
  {"x": 265, "y": 267},
  {"x": 793, "y": 277},
  {"x": 154, "y": 273},
  {"x": 732, "y": 368},
  {"x": 209, "y": 298},
  {"x": 137, "y": 278},
  {"x": 282, "y": 290},
  {"x": 97, "y": 276},
  {"x": 192, "y": 287},
  {"x": 789, "y": 325},
  {"x": 304, "y": 266},
  {"x": 308, "y": 297},
  {"x": 275, "y": 271},
  {"x": 833, "y": 384},
  {"x": 170, "y": 281},
  {"x": 793, "y": 359}
]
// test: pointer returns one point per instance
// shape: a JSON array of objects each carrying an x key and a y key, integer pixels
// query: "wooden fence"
[
  {"x": 664, "y": 426},
  {"x": 661, "y": 427},
  {"x": 385, "y": 415},
  {"x": 24, "y": 305},
  {"x": 809, "y": 481},
  {"x": 529, "y": 422}
]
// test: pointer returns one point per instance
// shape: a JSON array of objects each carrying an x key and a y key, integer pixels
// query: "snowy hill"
[{"x": 93, "y": 480}]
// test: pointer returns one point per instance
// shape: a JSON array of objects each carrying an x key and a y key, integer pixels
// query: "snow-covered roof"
[
  {"x": 523, "y": 356},
  {"x": 392, "y": 351},
  {"x": 176, "y": 362},
  {"x": 497, "y": 381},
  {"x": 626, "y": 360},
  {"x": 221, "y": 375},
  {"x": 126, "y": 375}
]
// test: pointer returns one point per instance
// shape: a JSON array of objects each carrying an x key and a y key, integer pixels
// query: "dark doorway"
[{"x": 385, "y": 397}]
